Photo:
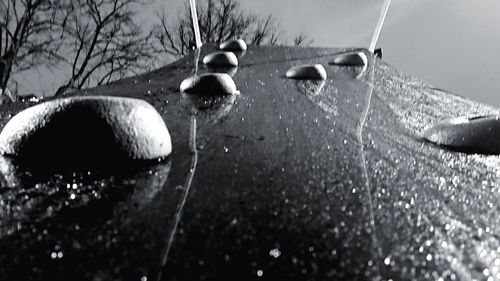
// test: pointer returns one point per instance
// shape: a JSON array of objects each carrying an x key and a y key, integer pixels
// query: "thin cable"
[
  {"x": 380, "y": 24},
  {"x": 196, "y": 27}
]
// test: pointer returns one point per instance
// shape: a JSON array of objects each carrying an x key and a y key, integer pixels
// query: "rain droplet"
[
  {"x": 275, "y": 253},
  {"x": 428, "y": 257}
]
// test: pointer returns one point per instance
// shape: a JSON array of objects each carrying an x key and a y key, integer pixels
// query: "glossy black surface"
[{"x": 291, "y": 180}]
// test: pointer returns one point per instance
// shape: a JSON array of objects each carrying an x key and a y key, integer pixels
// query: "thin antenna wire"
[
  {"x": 196, "y": 27},
  {"x": 380, "y": 23}
]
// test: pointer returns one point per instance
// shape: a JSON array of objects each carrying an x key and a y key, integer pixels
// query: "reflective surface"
[{"x": 295, "y": 180}]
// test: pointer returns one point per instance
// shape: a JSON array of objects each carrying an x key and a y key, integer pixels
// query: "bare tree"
[
  {"x": 30, "y": 35},
  {"x": 219, "y": 20},
  {"x": 104, "y": 42}
]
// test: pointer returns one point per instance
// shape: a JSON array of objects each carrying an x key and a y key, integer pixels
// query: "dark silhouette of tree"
[
  {"x": 219, "y": 20},
  {"x": 30, "y": 35},
  {"x": 104, "y": 42},
  {"x": 97, "y": 40}
]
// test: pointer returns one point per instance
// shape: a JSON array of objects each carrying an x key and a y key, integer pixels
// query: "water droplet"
[
  {"x": 275, "y": 253},
  {"x": 486, "y": 272},
  {"x": 260, "y": 273}
]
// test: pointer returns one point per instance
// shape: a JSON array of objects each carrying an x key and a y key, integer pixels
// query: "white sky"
[{"x": 451, "y": 44}]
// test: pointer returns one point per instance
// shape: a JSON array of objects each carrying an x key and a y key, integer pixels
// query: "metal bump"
[
  {"x": 86, "y": 132},
  {"x": 237, "y": 45},
  {"x": 309, "y": 72},
  {"x": 480, "y": 134},
  {"x": 223, "y": 58},
  {"x": 350, "y": 59},
  {"x": 209, "y": 84}
]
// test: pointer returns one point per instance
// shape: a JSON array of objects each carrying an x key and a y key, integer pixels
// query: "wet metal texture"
[{"x": 290, "y": 180}]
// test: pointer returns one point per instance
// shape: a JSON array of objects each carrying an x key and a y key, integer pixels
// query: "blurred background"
[{"x": 450, "y": 44}]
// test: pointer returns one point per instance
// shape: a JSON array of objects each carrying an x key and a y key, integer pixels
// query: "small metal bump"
[
  {"x": 350, "y": 59},
  {"x": 209, "y": 84},
  {"x": 237, "y": 45},
  {"x": 222, "y": 58},
  {"x": 307, "y": 72}
]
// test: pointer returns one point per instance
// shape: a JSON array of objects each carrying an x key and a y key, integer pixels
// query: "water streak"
[
  {"x": 359, "y": 134},
  {"x": 197, "y": 54},
  {"x": 187, "y": 187}
]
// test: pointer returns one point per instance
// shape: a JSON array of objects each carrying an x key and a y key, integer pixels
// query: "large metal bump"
[
  {"x": 474, "y": 135},
  {"x": 86, "y": 132}
]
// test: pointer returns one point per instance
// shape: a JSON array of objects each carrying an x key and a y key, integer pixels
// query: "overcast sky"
[{"x": 451, "y": 44}]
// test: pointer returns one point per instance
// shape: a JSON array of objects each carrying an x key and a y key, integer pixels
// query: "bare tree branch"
[
  {"x": 219, "y": 20},
  {"x": 106, "y": 42},
  {"x": 27, "y": 28}
]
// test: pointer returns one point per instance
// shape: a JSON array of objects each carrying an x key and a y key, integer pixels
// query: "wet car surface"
[{"x": 288, "y": 180}]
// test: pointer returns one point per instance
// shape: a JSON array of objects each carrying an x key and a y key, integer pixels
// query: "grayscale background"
[{"x": 450, "y": 44}]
